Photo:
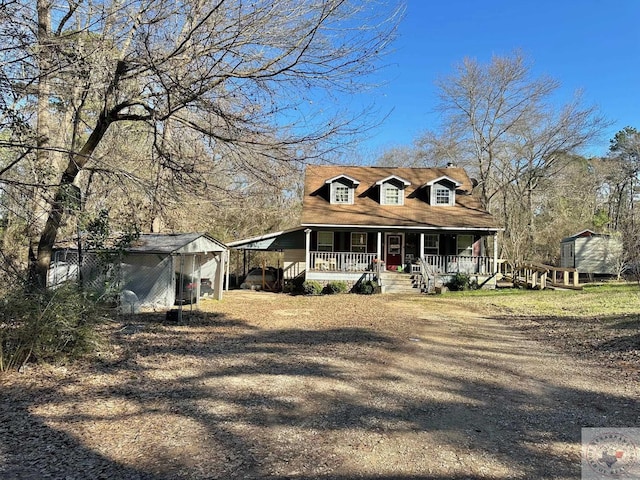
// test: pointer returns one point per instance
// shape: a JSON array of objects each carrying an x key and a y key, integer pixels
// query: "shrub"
[
  {"x": 311, "y": 287},
  {"x": 47, "y": 326},
  {"x": 366, "y": 288},
  {"x": 335, "y": 287},
  {"x": 462, "y": 281},
  {"x": 294, "y": 286}
]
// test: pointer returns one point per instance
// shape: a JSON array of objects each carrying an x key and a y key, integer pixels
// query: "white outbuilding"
[
  {"x": 591, "y": 253},
  {"x": 160, "y": 270}
]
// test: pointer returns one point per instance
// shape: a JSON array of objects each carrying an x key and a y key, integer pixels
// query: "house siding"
[
  {"x": 294, "y": 263},
  {"x": 342, "y": 240}
]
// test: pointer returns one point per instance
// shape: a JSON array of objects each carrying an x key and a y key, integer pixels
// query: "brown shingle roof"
[{"x": 367, "y": 211}]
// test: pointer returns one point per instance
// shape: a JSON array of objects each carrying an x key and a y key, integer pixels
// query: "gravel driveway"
[{"x": 335, "y": 387}]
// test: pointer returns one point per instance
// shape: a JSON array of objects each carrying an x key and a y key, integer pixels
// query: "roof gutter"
[{"x": 396, "y": 227}]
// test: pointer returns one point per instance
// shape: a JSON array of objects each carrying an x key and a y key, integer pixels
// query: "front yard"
[{"x": 261, "y": 385}]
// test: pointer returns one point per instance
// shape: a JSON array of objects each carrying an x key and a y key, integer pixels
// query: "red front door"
[{"x": 393, "y": 251}]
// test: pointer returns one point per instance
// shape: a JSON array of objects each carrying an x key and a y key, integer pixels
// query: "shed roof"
[
  {"x": 582, "y": 234},
  {"x": 176, "y": 243}
]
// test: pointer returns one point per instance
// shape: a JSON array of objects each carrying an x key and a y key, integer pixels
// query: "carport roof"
[{"x": 283, "y": 240}]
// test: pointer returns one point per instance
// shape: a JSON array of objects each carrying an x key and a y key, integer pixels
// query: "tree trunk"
[
  {"x": 43, "y": 122},
  {"x": 39, "y": 267}
]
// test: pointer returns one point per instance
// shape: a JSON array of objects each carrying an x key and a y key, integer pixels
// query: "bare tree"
[
  {"x": 622, "y": 188},
  {"x": 255, "y": 79},
  {"x": 500, "y": 122},
  {"x": 623, "y": 178},
  {"x": 566, "y": 203}
]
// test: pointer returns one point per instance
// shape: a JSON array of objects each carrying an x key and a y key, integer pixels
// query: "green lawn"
[{"x": 609, "y": 300}]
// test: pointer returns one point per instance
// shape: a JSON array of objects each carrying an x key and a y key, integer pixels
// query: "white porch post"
[
  {"x": 495, "y": 253},
  {"x": 227, "y": 261},
  {"x": 307, "y": 248},
  {"x": 379, "y": 247},
  {"x": 421, "y": 252}
]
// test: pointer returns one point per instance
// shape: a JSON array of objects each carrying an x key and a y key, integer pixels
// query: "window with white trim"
[
  {"x": 341, "y": 193},
  {"x": 443, "y": 195},
  {"x": 325, "y": 241},
  {"x": 431, "y": 244},
  {"x": 359, "y": 242},
  {"x": 391, "y": 195}
]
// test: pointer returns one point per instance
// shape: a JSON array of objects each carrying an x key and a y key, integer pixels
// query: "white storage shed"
[
  {"x": 592, "y": 253},
  {"x": 162, "y": 270}
]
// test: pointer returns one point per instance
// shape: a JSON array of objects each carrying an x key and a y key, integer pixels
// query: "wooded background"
[{"x": 156, "y": 116}]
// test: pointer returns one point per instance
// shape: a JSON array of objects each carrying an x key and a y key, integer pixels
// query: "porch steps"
[{"x": 394, "y": 282}]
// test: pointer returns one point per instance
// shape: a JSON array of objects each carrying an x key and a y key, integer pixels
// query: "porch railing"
[
  {"x": 366, "y": 262},
  {"x": 450, "y": 264},
  {"x": 342, "y": 261}
]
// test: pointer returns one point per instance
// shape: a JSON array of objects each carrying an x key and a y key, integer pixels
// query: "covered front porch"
[
  {"x": 354, "y": 254},
  {"x": 330, "y": 252}
]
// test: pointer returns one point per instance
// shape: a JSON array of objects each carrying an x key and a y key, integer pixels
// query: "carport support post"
[
  {"x": 307, "y": 248},
  {"x": 219, "y": 283},
  {"x": 495, "y": 254},
  {"x": 244, "y": 263},
  {"x": 181, "y": 287},
  {"x": 196, "y": 258},
  {"x": 227, "y": 261}
]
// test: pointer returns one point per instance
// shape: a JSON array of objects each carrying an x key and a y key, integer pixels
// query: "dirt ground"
[{"x": 267, "y": 385}]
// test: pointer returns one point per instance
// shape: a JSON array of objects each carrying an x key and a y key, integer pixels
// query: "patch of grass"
[{"x": 592, "y": 301}]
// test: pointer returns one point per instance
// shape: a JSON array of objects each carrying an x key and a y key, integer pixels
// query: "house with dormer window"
[{"x": 359, "y": 221}]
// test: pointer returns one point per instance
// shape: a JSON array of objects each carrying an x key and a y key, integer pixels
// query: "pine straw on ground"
[{"x": 267, "y": 385}]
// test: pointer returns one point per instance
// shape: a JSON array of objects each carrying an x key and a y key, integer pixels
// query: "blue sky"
[{"x": 587, "y": 45}]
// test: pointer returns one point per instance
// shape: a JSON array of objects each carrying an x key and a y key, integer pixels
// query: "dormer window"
[
  {"x": 341, "y": 193},
  {"x": 443, "y": 191},
  {"x": 342, "y": 189},
  {"x": 392, "y": 190},
  {"x": 443, "y": 195},
  {"x": 391, "y": 195}
]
